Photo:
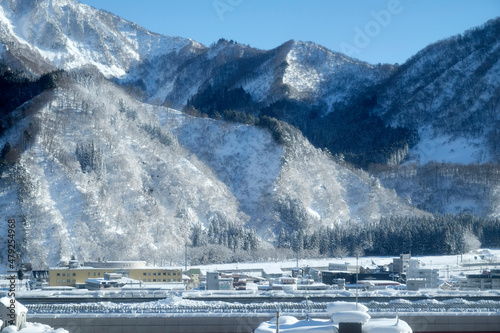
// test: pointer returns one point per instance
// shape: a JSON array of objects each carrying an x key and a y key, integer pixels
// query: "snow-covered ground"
[
  {"x": 456, "y": 265},
  {"x": 451, "y": 268}
]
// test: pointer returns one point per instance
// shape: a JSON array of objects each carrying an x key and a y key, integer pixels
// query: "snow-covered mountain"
[
  {"x": 104, "y": 165},
  {"x": 450, "y": 93},
  {"x": 66, "y": 34},
  {"x": 108, "y": 176}
]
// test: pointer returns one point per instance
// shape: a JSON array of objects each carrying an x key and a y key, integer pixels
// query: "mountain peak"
[{"x": 69, "y": 34}]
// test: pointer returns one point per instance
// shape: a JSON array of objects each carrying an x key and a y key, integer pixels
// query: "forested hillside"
[{"x": 118, "y": 142}]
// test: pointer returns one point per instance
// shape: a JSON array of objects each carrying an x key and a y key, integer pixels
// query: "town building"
[
  {"x": 110, "y": 281},
  {"x": 487, "y": 280},
  {"x": 343, "y": 267},
  {"x": 216, "y": 282},
  {"x": 418, "y": 277},
  {"x": 74, "y": 274},
  {"x": 400, "y": 265}
]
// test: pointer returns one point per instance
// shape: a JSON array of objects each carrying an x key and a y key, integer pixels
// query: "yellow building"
[
  {"x": 65, "y": 276},
  {"x": 70, "y": 276},
  {"x": 155, "y": 275}
]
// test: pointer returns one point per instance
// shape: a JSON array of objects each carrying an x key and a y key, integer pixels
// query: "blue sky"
[{"x": 375, "y": 31}]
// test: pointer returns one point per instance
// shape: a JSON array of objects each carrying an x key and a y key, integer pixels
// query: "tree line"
[{"x": 428, "y": 235}]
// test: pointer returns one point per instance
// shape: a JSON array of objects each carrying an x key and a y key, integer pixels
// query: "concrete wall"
[
  {"x": 420, "y": 323},
  {"x": 457, "y": 323},
  {"x": 155, "y": 325}
]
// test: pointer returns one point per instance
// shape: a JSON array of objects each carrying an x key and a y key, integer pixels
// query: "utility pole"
[
  {"x": 277, "y": 321},
  {"x": 185, "y": 257},
  {"x": 357, "y": 285}
]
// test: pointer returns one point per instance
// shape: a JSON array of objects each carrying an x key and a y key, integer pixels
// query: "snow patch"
[{"x": 448, "y": 149}]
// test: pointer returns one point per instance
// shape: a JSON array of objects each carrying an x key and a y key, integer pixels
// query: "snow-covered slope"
[
  {"x": 450, "y": 92},
  {"x": 112, "y": 177}
]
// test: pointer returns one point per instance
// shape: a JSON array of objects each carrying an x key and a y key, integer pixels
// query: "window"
[
  {"x": 149, "y": 280},
  {"x": 168, "y": 273},
  {"x": 64, "y": 281},
  {"x": 164, "y": 280},
  {"x": 94, "y": 273},
  {"x": 99, "y": 274},
  {"x": 58, "y": 281},
  {"x": 144, "y": 279},
  {"x": 144, "y": 273},
  {"x": 74, "y": 274},
  {"x": 64, "y": 274},
  {"x": 173, "y": 273},
  {"x": 58, "y": 274},
  {"x": 149, "y": 273},
  {"x": 154, "y": 274},
  {"x": 88, "y": 274},
  {"x": 74, "y": 281},
  {"x": 164, "y": 273},
  {"x": 154, "y": 280}
]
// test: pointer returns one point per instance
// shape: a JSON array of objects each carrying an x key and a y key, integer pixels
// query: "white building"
[
  {"x": 400, "y": 265},
  {"x": 417, "y": 277}
]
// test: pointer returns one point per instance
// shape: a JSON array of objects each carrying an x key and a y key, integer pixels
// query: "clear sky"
[{"x": 376, "y": 31}]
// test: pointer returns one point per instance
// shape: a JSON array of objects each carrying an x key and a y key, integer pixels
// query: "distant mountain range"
[{"x": 98, "y": 161}]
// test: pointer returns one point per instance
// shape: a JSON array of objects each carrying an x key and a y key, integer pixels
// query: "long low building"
[
  {"x": 74, "y": 274},
  {"x": 484, "y": 281}
]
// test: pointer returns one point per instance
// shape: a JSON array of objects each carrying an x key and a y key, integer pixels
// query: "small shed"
[{"x": 11, "y": 311}]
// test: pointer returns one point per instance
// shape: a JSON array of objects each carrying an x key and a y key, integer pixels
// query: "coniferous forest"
[{"x": 433, "y": 235}]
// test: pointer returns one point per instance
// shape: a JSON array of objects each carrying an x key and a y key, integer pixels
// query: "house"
[
  {"x": 272, "y": 272},
  {"x": 194, "y": 274},
  {"x": 12, "y": 312}
]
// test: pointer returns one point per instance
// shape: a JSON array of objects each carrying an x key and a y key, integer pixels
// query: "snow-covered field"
[{"x": 455, "y": 265}]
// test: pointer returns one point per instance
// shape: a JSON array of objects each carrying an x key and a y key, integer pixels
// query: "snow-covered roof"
[
  {"x": 6, "y": 301},
  {"x": 383, "y": 325},
  {"x": 33, "y": 328},
  {"x": 345, "y": 306},
  {"x": 351, "y": 317},
  {"x": 273, "y": 270},
  {"x": 343, "y": 312}
]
